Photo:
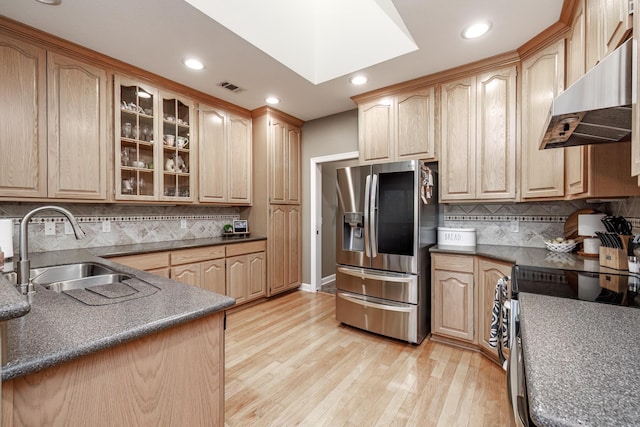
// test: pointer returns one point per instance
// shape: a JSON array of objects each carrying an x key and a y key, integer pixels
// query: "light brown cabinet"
[
  {"x": 57, "y": 112},
  {"x": 276, "y": 151},
  {"x": 246, "y": 277},
  {"x": 542, "y": 80},
  {"x": 635, "y": 124},
  {"x": 285, "y": 248},
  {"x": 594, "y": 170},
  {"x": 453, "y": 297},
  {"x": 489, "y": 272},
  {"x": 155, "y": 145},
  {"x": 237, "y": 270},
  {"x": 478, "y": 130},
  {"x": 609, "y": 24},
  {"x": 284, "y": 157},
  {"x": 225, "y": 157},
  {"x": 399, "y": 127}
]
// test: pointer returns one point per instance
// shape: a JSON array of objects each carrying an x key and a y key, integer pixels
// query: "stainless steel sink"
[
  {"x": 82, "y": 275},
  {"x": 60, "y": 273}
]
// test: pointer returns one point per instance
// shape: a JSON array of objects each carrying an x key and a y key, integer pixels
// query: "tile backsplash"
[
  {"x": 496, "y": 224},
  {"x": 126, "y": 224}
]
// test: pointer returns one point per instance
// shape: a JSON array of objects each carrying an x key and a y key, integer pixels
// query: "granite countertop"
[
  {"x": 139, "y": 248},
  {"x": 59, "y": 328},
  {"x": 530, "y": 257},
  {"x": 581, "y": 360}
]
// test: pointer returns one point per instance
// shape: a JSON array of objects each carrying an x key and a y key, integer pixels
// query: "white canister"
[
  {"x": 591, "y": 245},
  {"x": 456, "y": 236},
  {"x": 6, "y": 237}
]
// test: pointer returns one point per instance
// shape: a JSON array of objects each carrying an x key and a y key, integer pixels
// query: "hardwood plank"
[{"x": 289, "y": 362}]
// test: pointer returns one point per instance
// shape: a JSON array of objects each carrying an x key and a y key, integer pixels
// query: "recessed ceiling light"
[
  {"x": 194, "y": 64},
  {"x": 358, "y": 80},
  {"x": 476, "y": 30},
  {"x": 50, "y": 2},
  {"x": 272, "y": 100}
]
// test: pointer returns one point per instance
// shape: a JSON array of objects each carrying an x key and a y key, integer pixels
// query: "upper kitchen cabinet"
[
  {"x": 284, "y": 160},
  {"x": 478, "y": 131},
  {"x": 608, "y": 24},
  {"x": 178, "y": 159},
  {"x": 399, "y": 127},
  {"x": 136, "y": 133},
  {"x": 225, "y": 157},
  {"x": 56, "y": 143},
  {"x": 542, "y": 80},
  {"x": 24, "y": 142},
  {"x": 77, "y": 129},
  {"x": 593, "y": 171},
  {"x": 154, "y": 143}
]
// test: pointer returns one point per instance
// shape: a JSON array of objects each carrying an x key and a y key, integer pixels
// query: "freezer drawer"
[
  {"x": 388, "y": 318},
  {"x": 380, "y": 284}
]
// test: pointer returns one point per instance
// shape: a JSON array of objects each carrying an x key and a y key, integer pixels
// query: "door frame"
[{"x": 315, "y": 212}]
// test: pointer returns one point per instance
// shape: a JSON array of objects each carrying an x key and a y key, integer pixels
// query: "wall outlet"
[
  {"x": 106, "y": 226},
  {"x": 515, "y": 226},
  {"x": 183, "y": 223},
  {"x": 49, "y": 228},
  {"x": 67, "y": 228}
]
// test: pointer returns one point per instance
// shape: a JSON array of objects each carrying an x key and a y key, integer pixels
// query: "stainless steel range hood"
[{"x": 596, "y": 108}]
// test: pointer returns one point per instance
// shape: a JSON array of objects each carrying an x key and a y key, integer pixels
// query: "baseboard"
[
  {"x": 306, "y": 287},
  {"x": 327, "y": 279}
]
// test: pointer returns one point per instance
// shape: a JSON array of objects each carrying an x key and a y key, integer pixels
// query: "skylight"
[{"x": 318, "y": 39}]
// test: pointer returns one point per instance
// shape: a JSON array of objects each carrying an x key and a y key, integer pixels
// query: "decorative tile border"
[
  {"x": 94, "y": 219},
  {"x": 506, "y": 218}
]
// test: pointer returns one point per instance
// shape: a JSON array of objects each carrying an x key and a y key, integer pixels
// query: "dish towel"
[{"x": 500, "y": 316}]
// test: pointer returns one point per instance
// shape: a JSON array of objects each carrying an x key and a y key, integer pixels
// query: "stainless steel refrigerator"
[{"x": 387, "y": 219}]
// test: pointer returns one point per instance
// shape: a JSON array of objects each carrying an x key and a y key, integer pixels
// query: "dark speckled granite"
[
  {"x": 582, "y": 362},
  {"x": 12, "y": 303},
  {"x": 532, "y": 257},
  {"x": 107, "y": 251},
  {"x": 59, "y": 328}
]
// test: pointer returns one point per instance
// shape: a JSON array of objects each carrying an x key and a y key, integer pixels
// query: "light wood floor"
[{"x": 289, "y": 362}]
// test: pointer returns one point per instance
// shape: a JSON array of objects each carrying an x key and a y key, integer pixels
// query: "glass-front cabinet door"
[
  {"x": 177, "y": 143},
  {"x": 135, "y": 124},
  {"x": 153, "y": 143}
]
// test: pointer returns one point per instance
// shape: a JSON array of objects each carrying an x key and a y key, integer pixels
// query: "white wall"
[{"x": 322, "y": 137}]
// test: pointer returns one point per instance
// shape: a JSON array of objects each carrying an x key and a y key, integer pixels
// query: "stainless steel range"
[{"x": 387, "y": 219}]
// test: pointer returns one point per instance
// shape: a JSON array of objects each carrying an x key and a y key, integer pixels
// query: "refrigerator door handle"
[
  {"x": 372, "y": 215},
  {"x": 367, "y": 237}
]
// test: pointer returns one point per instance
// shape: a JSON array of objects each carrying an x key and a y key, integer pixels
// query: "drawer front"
[
  {"x": 461, "y": 263},
  {"x": 187, "y": 256},
  {"x": 147, "y": 261},
  {"x": 246, "y": 248},
  {"x": 394, "y": 320},
  {"x": 387, "y": 285}
]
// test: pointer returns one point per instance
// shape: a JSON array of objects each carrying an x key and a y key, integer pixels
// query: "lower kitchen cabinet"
[
  {"x": 246, "y": 277},
  {"x": 488, "y": 274},
  {"x": 237, "y": 270},
  {"x": 285, "y": 248},
  {"x": 453, "y": 297},
  {"x": 463, "y": 290}
]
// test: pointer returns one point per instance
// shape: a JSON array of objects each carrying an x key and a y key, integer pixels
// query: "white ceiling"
[{"x": 157, "y": 35}]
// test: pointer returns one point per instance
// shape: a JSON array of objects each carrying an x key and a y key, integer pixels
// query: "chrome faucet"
[{"x": 24, "y": 265}]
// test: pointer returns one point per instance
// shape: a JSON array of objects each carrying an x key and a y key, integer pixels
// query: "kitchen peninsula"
[{"x": 153, "y": 360}]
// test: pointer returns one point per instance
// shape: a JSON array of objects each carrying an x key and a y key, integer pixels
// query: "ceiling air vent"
[{"x": 230, "y": 86}]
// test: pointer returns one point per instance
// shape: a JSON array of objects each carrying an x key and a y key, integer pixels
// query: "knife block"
[{"x": 615, "y": 258}]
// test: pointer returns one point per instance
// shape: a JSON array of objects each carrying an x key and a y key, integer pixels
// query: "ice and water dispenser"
[{"x": 353, "y": 231}]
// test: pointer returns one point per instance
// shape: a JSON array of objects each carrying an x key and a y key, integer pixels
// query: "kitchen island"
[
  {"x": 153, "y": 360},
  {"x": 582, "y": 363}
]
